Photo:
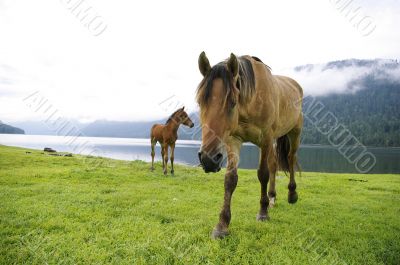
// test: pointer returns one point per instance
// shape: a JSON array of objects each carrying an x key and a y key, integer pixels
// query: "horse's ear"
[
  {"x": 233, "y": 65},
  {"x": 182, "y": 108},
  {"x": 204, "y": 64}
]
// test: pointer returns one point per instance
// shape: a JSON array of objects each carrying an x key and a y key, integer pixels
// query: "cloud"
[
  {"x": 9, "y": 80},
  {"x": 342, "y": 76},
  {"x": 149, "y": 54}
]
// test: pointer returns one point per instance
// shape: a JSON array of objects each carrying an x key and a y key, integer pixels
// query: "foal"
[{"x": 167, "y": 134}]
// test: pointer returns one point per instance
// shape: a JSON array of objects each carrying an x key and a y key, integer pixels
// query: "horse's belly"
[
  {"x": 284, "y": 128},
  {"x": 286, "y": 122}
]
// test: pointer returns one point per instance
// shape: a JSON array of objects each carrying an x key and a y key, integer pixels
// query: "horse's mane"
[
  {"x": 246, "y": 82},
  {"x": 172, "y": 116},
  {"x": 259, "y": 60}
]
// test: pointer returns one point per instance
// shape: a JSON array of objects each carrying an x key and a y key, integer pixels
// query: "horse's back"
[{"x": 289, "y": 85}]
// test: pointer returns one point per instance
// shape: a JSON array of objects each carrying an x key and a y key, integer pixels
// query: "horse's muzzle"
[{"x": 210, "y": 163}]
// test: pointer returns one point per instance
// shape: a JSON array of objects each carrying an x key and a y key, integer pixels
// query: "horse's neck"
[{"x": 172, "y": 125}]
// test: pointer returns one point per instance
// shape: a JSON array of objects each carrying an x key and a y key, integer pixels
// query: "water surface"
[{"x": 311, "y": 157}]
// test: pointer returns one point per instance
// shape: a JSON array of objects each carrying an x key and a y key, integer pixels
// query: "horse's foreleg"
[
  {"x": 231, "y": 179},
  {"x": 263, "y": 177},
  {"x": 172, "y": 158},
  {"x": 165, "y": 159},
  {"x": 162, "y": 155},
  {"x": 221, "y": 230}
]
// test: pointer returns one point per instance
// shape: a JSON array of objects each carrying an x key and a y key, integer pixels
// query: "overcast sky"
[{"x": 136, "y": 54}]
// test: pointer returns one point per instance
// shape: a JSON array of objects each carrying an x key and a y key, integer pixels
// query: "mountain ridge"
[{"x": 8, "y": 129}]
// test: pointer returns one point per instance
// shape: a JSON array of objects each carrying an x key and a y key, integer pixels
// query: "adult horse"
[
  {"x": 241, "y": 101},
  {"x": 167, "y": 134}
]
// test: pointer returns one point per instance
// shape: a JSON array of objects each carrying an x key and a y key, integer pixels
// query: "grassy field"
[{"x": 61, "y": 210}]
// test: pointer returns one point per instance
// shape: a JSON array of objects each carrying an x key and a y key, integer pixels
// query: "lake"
[{"x": 311, "y": 157}]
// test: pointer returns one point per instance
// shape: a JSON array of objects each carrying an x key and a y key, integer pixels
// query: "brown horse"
[
  {"x": 167, "y": 134},
  {"x": 241, "y": 101}
]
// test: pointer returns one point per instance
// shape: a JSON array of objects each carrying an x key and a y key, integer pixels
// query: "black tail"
[{"x": 282, "y": 152}]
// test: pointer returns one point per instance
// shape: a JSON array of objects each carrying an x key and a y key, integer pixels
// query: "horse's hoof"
[
  {"x": 262, "y": 217},
  {"x": 165, "y": 173},
  {"x": 152, "y": 168},
  {"x": 271, "y": 202},
  {"x": 292, "y": 197},
  {"x": 219, "y": 234},
  {"x": 172, "y": 172}
]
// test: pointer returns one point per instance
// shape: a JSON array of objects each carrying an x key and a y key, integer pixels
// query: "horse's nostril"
[
  {"x": 218, "y": 157},
  {"x": 199, "y": 154}
]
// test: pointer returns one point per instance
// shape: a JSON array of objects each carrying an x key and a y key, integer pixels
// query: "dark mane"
[
  {"x": 259, "y": 60},
  {"x": 172, "y": 116},
  {"x": 246, "y": 82}
]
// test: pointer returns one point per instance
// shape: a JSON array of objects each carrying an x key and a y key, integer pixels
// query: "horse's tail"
[{"x": 282, "y": 152}]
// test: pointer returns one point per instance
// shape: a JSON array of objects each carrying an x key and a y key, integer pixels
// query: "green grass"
[{"x": 60, "y": 210}]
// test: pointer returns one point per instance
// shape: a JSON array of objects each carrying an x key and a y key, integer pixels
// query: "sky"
[{"x": 122, "y": 60}]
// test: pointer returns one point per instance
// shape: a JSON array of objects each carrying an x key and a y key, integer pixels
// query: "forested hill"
[
  {"x": 371, "y": 114},
  {"x": 4, "y": 128},
  {"x": 369, "y": 108}
]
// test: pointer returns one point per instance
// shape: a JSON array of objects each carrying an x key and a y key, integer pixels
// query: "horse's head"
[
  {"x": 181, "y": 117},
  {"x": 218, "y": 97}
]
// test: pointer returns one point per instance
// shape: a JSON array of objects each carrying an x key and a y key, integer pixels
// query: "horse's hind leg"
[
  {"x": 294, "y": 138},
  {"x": 172, "y": 157},
  {"x": 153, "y": 143},
  {"x": 263, "y": 176},
  {"x": 272, "y": 191}
]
